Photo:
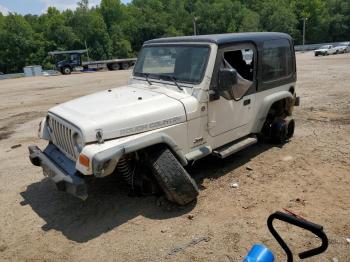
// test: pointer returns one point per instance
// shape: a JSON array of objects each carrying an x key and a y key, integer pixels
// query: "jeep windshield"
[{"x": 184, "y": 64}]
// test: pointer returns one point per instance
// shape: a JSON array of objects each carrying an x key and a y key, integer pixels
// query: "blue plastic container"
[{"x": 259, "y": 253}]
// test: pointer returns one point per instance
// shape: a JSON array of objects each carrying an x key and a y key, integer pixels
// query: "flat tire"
[{"x": 173, "y": 179}]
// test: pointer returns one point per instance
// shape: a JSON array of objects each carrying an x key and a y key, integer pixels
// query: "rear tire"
[
  {"x": 279, "y": 131},
  {"x": 125, "y": 66},
  {"x": 282, "y": 130},
  {"x": 172, "y": 178},
  {"x": 113, "y": 66},
  {"x": 290, "y": 128}
]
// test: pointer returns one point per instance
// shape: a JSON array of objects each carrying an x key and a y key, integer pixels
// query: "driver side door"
[{"x": 229, "y": 116}]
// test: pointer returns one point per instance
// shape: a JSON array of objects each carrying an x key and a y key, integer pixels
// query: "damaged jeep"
[{"x": 188, "y": 97}]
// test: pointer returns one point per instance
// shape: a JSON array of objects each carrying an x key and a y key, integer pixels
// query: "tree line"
[{"x": 117, "y": 30}]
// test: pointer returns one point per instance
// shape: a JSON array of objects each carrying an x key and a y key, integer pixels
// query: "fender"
[
  {"x": 104, "y": 162},
  {"x": 266, "y": 105}
]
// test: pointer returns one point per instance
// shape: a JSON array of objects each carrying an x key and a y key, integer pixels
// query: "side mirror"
[{"x": 227, "y": 78}]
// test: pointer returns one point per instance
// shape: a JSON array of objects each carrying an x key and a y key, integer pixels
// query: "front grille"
[{"x": 62, "y": 136}]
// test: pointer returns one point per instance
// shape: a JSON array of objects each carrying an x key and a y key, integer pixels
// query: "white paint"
[
  {"x": 186, "y": 116},
  {"x": 122, "y": 111}
]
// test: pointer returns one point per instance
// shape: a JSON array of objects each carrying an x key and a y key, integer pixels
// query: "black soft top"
[{"x": 222, "y": 39}]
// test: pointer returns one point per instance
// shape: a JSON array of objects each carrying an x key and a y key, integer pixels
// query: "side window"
[
  {"x": 276, "y": 60},
  {"x": 74, "y": 58},
  {"x": 242, "y": 60}
]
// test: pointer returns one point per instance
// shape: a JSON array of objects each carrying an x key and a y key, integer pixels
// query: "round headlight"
[{"x": 78, "y": 142}]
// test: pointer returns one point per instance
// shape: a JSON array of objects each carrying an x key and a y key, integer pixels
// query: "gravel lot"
[{"x": 310, "y": 176}]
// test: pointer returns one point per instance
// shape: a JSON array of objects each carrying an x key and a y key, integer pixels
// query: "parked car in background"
[
  {"x": 322, "y": 50},
  {"x": 340, "y": 49},
  {"x": 325, "y": 50},
  {"x": 343, "y": 47}
]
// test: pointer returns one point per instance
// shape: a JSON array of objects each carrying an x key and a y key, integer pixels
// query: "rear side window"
[{"x": 276, "y": 60}]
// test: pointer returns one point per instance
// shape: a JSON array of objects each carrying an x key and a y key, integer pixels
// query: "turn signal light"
[{"x": 84, "y": 160}]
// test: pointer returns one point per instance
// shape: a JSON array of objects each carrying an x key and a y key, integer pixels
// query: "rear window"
[{"x": 276, "y": 60}]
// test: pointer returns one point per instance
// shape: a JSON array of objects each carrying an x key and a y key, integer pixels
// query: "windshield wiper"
[
  {"x": 176, "y": 83},
  {"x": 146, "y": 75},
  {"x": 173, "y": 78}
]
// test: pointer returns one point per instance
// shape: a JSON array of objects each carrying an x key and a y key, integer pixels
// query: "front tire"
[
  {"x": 66, "y": 70},
  {"x": 172, "y": 178}
]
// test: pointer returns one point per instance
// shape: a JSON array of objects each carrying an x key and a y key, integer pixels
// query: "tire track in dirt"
[{"x": 9, "y": 124}]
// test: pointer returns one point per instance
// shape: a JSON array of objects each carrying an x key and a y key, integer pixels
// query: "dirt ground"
[{"x": 310, "y": 176}]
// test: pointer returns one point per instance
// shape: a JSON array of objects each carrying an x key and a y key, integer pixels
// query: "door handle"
[{"x": 246, "y": 102}]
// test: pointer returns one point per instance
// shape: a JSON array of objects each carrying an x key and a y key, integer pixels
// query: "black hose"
[{"x": 302, "y": 223}]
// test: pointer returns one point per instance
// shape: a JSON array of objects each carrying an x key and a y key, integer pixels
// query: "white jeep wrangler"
[{"x": 188, "y": 97}]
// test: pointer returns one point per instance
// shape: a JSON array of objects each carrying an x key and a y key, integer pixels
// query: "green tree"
[
  {"x": 339, "y": 21},
  {"x": 217, "y": 16},
  {"x": 121, "y": 47},
  {"x": 89, "y": 26},
  {"x": 146, "y": 19},
  {"x": 112, "y": 12},
  {"x": 277, "y": 16},
  {"x": 2, "y": 19},
  {"x": 57, "y": 32},
  {"x": 114, "y": 29},
  {"x": 16, "y": 43},
  {"x": 317, "y": 23},
  {"x": 249, "y": 21}
]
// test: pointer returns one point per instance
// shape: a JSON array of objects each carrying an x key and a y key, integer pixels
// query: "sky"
[{"x": 40, "y": 6}]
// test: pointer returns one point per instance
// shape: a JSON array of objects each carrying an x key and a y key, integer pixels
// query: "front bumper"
[{"x": 60, "y": 169}]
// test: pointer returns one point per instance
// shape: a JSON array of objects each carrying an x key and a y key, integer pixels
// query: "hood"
[
  {"x": 63, "y": 62},
  {"x": 121, "y": 112}
]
